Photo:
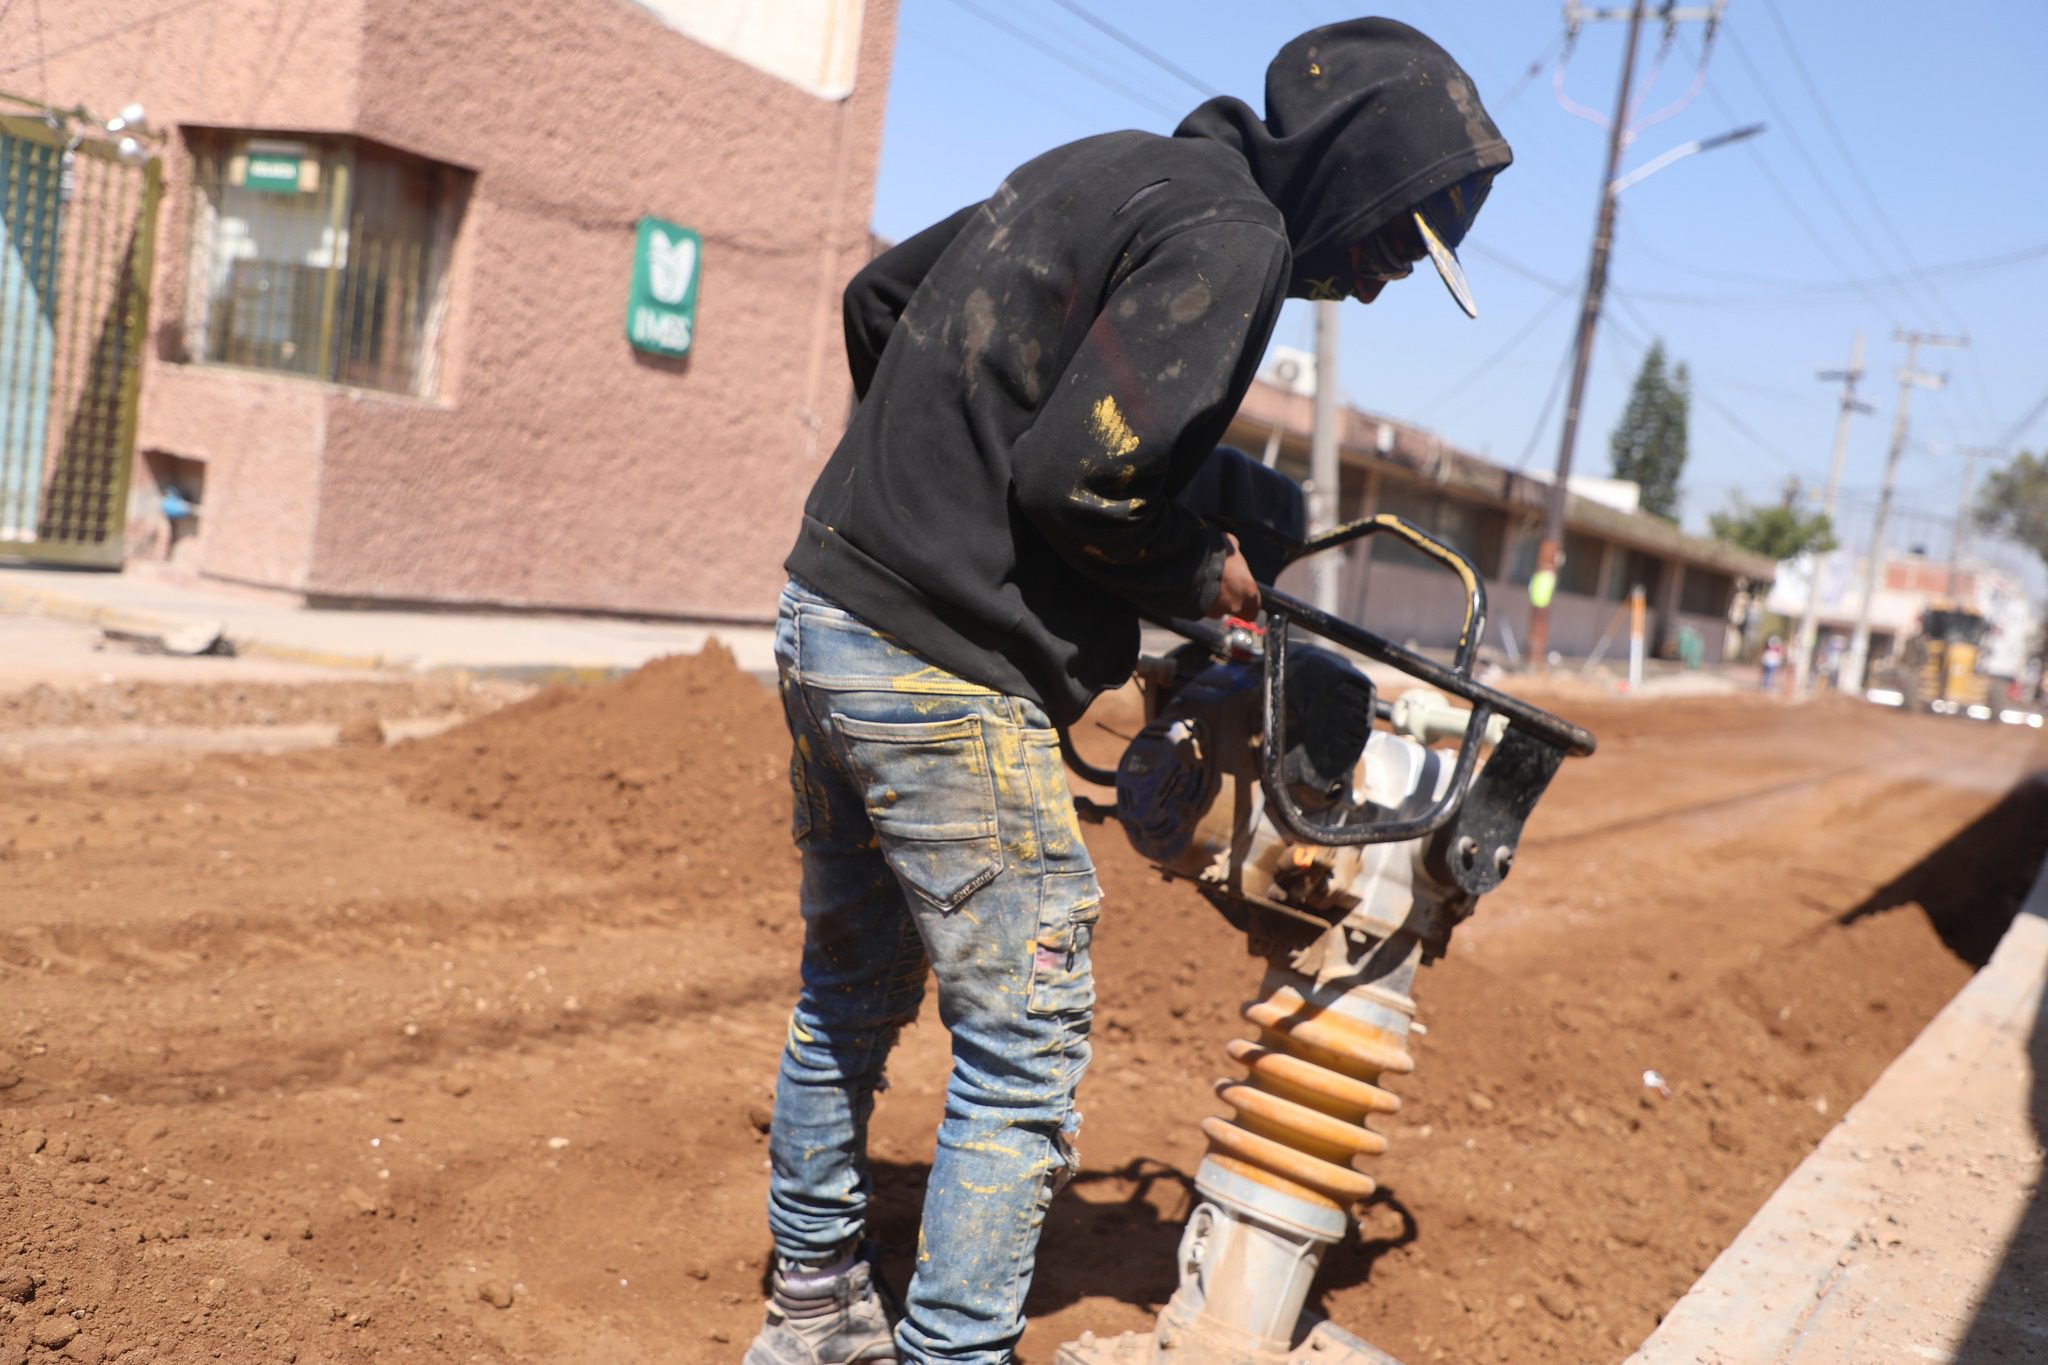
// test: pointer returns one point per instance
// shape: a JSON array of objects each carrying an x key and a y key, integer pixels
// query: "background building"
[
  {"x": 388, "y": 354},
  {"x": 1495, "y": 515}
]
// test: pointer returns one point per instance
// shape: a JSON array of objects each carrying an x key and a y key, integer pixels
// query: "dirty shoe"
[{"x": 834, "y": 1317}]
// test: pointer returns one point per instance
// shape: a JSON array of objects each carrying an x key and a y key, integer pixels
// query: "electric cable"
[
  {"x": 1509, "y": 263},
  {"x": 2019, "y": 428},
  {"x": 1819, "y": 290},
  {"x": 1103, "y": 26},
  {"x": 989, "y": 70},
  {"x": 1848, "y": 158},
  {"x": 1813, "y": 167},
  {"x": 1915, "y": 273},
  {"x": 1785, "y": 196},
  {"x": 1564, "y": 367},
  {"x": 1495, "y": 356},
  {"x": 1068, "y": 60}
]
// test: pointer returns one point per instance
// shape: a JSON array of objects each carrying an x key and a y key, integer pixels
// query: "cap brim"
[{"x": 1446, "y": 262}]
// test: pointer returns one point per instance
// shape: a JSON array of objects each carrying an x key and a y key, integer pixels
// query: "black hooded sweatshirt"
[{"x": 1042, "y": 373}]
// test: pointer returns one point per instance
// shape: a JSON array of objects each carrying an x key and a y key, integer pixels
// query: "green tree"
[
  {"x": 2014, "y": 502},
  {"x": 1777, "y": 531},
  {"x": 1649, "y": 443}
]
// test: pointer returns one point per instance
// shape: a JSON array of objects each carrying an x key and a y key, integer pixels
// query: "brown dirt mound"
[{"x": 683, "y": 760}]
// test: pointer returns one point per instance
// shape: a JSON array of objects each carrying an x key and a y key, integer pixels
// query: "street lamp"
[{"x": 1681, "y": 151}]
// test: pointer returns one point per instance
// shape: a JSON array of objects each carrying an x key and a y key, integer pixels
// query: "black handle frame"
[{"x": 1283, "y": 611}]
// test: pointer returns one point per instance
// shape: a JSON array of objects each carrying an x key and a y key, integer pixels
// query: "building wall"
[
  {"x": 1426, "y": 606},
  {"x": 555, "y": 467}
]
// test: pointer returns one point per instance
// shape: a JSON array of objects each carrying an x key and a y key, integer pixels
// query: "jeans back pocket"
[{"x": 930, "y": 793}]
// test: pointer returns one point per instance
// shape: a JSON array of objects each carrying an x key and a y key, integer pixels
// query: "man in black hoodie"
[{"x": 1040, "y": 376}]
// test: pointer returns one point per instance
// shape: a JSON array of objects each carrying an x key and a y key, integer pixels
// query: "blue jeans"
[{"x": 938, "y": 838}]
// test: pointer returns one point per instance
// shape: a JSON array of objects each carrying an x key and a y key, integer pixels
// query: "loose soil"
[{"x": 461, "y": 1049}]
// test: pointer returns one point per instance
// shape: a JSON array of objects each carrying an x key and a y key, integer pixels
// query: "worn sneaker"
[{"x": 841, "y": 1319}]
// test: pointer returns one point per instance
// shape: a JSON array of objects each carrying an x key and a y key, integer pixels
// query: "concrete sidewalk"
[
  {"x": 1918, "y": 1229},
  {"x": 529, "y": 647}
]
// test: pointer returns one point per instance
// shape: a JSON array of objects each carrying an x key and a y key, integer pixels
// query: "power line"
[
  {"x": 42, "y": 56},
  {"x": 2019, "y": 428},
  {"x": 1981, "y": 386},
  {"x": 1170, "y": 68},
  {"x": 1529, "y": 74},
  {"x": 1812, "y": 163},
  {"x": 2020, "y": 256},
  {"x": 1063, "y": 57},
  {"x": 1785, "y": 196},
  {"x": 1499, "y": 353},
  {"x": 1514, "y": 266},
  {"x": 1848, "y": 158},
  {"x": 989, "y": 69},
  {"x": 1564, "y": 367}
]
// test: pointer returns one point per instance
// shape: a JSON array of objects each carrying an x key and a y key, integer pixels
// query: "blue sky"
[{"x": 1754, "y": 263}]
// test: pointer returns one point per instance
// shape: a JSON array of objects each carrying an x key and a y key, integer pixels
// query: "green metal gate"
[{"x": 77, "y": 231}]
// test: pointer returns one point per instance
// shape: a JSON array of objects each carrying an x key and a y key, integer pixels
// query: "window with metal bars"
[{"x": 321, "y": 257}]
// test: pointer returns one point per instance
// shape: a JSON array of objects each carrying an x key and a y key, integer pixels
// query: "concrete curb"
[
  {"x": 1897, "y": 1238},
  {"x": 26, "y": 602}
]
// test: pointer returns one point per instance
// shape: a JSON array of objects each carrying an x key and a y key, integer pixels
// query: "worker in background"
[{"x": 1039, "y": 375}]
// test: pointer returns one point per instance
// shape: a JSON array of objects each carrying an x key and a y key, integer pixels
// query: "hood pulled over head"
[{"x": 1364, "y": 120}]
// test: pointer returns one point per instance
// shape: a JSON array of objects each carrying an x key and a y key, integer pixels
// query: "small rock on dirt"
[
  {"x": 454, "y": 1085},
  {"x": 33, "y": 1141},
  {"x": 1480, "y": 1103},
  {"x": 1557, "y": 1305},
  {"x": 54, "y": 1334},
  {"x": 10, "y": 1071},
  {"x": 760, "y": 1117},
  {"x": 496, "y": 1293},
  {"x": 16, "y": 1286},
  {"x": 356, "y": 1199},
  {"x": 364, "y": 732}
]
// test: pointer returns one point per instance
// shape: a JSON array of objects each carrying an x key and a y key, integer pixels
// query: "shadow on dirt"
[
  {"x": 1106, "y": 1235},
  {"x": 1971, "y": 887}
]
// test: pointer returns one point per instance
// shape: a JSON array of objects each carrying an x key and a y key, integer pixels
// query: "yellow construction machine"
[{"x": 1940, "y": 665}]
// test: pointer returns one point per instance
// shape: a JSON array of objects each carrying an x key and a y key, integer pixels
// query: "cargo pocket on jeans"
[
  {"x": 932, "y": 798},
  {"x": 1062, "y": 981},
  {"x": 799, "y": 791}
]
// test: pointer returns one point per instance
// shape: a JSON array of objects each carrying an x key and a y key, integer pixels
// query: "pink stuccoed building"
[{"x": 389, "y": 352}]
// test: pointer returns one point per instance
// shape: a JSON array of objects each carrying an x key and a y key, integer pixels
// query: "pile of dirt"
[{"x": 682, "y": 764}]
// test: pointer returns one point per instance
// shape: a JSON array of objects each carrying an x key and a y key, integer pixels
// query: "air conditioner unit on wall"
[{"x": 1292, "y": 370}]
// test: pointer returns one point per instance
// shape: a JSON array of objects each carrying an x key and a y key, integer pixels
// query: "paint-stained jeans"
[{"x": 937, "y": 838}]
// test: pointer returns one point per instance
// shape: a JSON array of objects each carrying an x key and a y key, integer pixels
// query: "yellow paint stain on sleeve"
[{"x": 1111, "y": 429}]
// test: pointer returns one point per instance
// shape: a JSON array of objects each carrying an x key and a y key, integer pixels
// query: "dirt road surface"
[{"x": 460, "y": 1049}]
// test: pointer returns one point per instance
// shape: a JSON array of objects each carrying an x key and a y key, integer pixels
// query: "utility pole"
[
  {"x": 1549, "y": 552},
  {"x": 1809, "y": 624},
  {"x": 1323, "y": 470},
  {"x": 1970, "y": 454},
  {"x": 1909, "y": 379}
]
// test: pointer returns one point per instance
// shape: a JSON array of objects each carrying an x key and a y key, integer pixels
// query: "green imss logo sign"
[{"x": 661, "y": 312}]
